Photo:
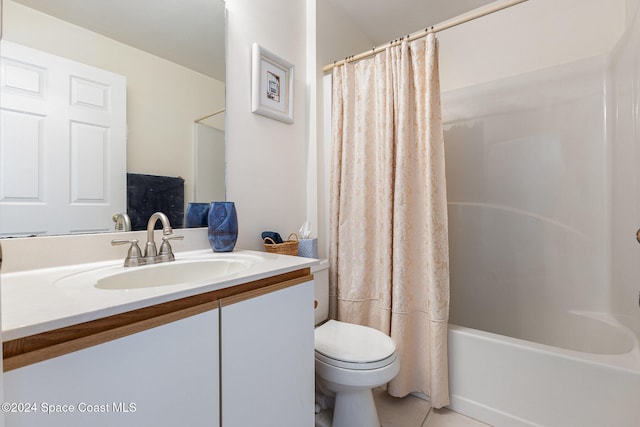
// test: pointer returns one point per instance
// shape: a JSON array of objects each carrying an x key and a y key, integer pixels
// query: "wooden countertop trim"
[
  {"x": 69, "y": 346},
  {"x": 39, "y": 347}
]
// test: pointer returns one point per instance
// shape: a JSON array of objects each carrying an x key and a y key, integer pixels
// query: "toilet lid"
[{"x": 352, "y": 343}]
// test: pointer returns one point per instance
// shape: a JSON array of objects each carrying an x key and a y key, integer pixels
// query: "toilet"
[{"x": 350, "y": 360}]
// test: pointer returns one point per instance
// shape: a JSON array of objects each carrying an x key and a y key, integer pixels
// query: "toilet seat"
[{"x": 350, "y": 346}]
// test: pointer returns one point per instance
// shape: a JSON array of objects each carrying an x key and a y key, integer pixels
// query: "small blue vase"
[
  {"x": 223, "y": 226},
  {"x": 197, "y": 215}
]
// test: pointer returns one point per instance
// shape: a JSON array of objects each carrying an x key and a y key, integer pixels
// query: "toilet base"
[
  {"x": 354, "y": 404},
  {"x": 355, "y": 408}
]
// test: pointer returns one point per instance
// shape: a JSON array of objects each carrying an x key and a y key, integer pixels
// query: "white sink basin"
[
  {"x": 179, "y": 272},
  {"x": 171, "y": 273}
]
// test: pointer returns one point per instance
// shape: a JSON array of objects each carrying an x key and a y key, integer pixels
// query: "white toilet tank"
[{"x": 321, "y": 284}]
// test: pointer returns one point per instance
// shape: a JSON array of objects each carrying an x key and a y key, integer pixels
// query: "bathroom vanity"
[{"x": 233, "y": 350}]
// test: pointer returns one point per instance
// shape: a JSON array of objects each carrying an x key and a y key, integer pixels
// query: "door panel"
[{"x": 62, "y": 146}]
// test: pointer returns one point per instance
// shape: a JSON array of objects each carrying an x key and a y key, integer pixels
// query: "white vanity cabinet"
[
  {"x": 267, "y": 357},
  {"x": 164, "y": 376},
  {"x": 232, "y": 357}
]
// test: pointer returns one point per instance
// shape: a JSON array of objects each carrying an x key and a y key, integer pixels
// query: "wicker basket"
[{"x": 288, "y": 247}]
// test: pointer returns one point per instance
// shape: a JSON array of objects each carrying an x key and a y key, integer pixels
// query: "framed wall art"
[{"x": 272, "y": 85}]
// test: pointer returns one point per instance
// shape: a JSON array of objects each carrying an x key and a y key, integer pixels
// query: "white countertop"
[{"x": 39, "y": 300}]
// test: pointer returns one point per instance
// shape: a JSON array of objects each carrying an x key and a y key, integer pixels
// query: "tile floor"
[{"x": 411, "y": 411}]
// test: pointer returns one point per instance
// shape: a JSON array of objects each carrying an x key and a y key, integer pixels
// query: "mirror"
[{"x": 172, "y": 56}]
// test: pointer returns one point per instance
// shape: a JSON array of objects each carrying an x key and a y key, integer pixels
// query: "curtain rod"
[
  {"x": 209, "y": 115},
  {"x": 478, "y": 13}
]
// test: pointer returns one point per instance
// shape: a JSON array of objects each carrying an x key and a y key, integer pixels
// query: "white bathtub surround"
[
  {"x": 511, "y": 382},
  {"x": 625, "y": 175},
  {"x": 389, "y": 245},
  {"x": 529, "y": 255},
  {"x": 543, "y": 201}
]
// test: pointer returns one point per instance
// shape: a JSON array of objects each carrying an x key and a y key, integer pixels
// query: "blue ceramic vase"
[
  {"x": 223, "y": 226},
  {"x": 197, "y": 215}
]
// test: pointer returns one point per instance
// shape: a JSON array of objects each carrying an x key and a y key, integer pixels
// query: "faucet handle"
[
  {"x": 134, "y": 256},
  {"x": 165, "y": 248}
]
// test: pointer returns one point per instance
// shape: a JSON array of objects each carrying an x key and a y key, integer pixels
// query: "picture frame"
[{"x": 272, "y": 85}]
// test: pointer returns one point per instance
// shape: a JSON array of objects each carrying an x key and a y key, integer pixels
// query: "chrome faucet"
[
  {"x": 122, "y": 220},
  {"x": 151, "y": 255},
  {"x": 150, "y": 248}
]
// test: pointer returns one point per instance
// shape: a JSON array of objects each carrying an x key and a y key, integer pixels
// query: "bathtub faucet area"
[{"x": 151, "y": 254}]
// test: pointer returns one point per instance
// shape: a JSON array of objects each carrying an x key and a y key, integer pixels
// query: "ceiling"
[
  {"x": 180, "y": 31},
  {"x": 385, "y": 20}
]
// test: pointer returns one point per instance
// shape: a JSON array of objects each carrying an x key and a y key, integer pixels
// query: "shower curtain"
[{"x": 388, "y": 210}]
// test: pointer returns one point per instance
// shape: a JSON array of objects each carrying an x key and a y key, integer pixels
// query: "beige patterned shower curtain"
[{"x": 389, "y": 251}]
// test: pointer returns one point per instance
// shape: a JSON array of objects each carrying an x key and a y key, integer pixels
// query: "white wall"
[
  {"x": 209, "y": 164},
  {"x": 530, "y": 36},
  {"x": 163, "y": 98},
  {"x": 266, "y": 159},
  {"x": 337, "y": 36},
  {"x": 526, "y": 37}
]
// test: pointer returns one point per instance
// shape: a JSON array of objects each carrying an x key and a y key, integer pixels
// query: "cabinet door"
[
  {"x": 165, "y": 376},
  {"x": 267, "y": 359}
]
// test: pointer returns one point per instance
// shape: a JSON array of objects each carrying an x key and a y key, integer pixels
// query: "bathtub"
[{"x": 592, "y": 380}]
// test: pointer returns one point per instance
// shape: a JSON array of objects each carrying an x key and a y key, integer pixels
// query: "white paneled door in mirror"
[{"x": 62, "y": 144}]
